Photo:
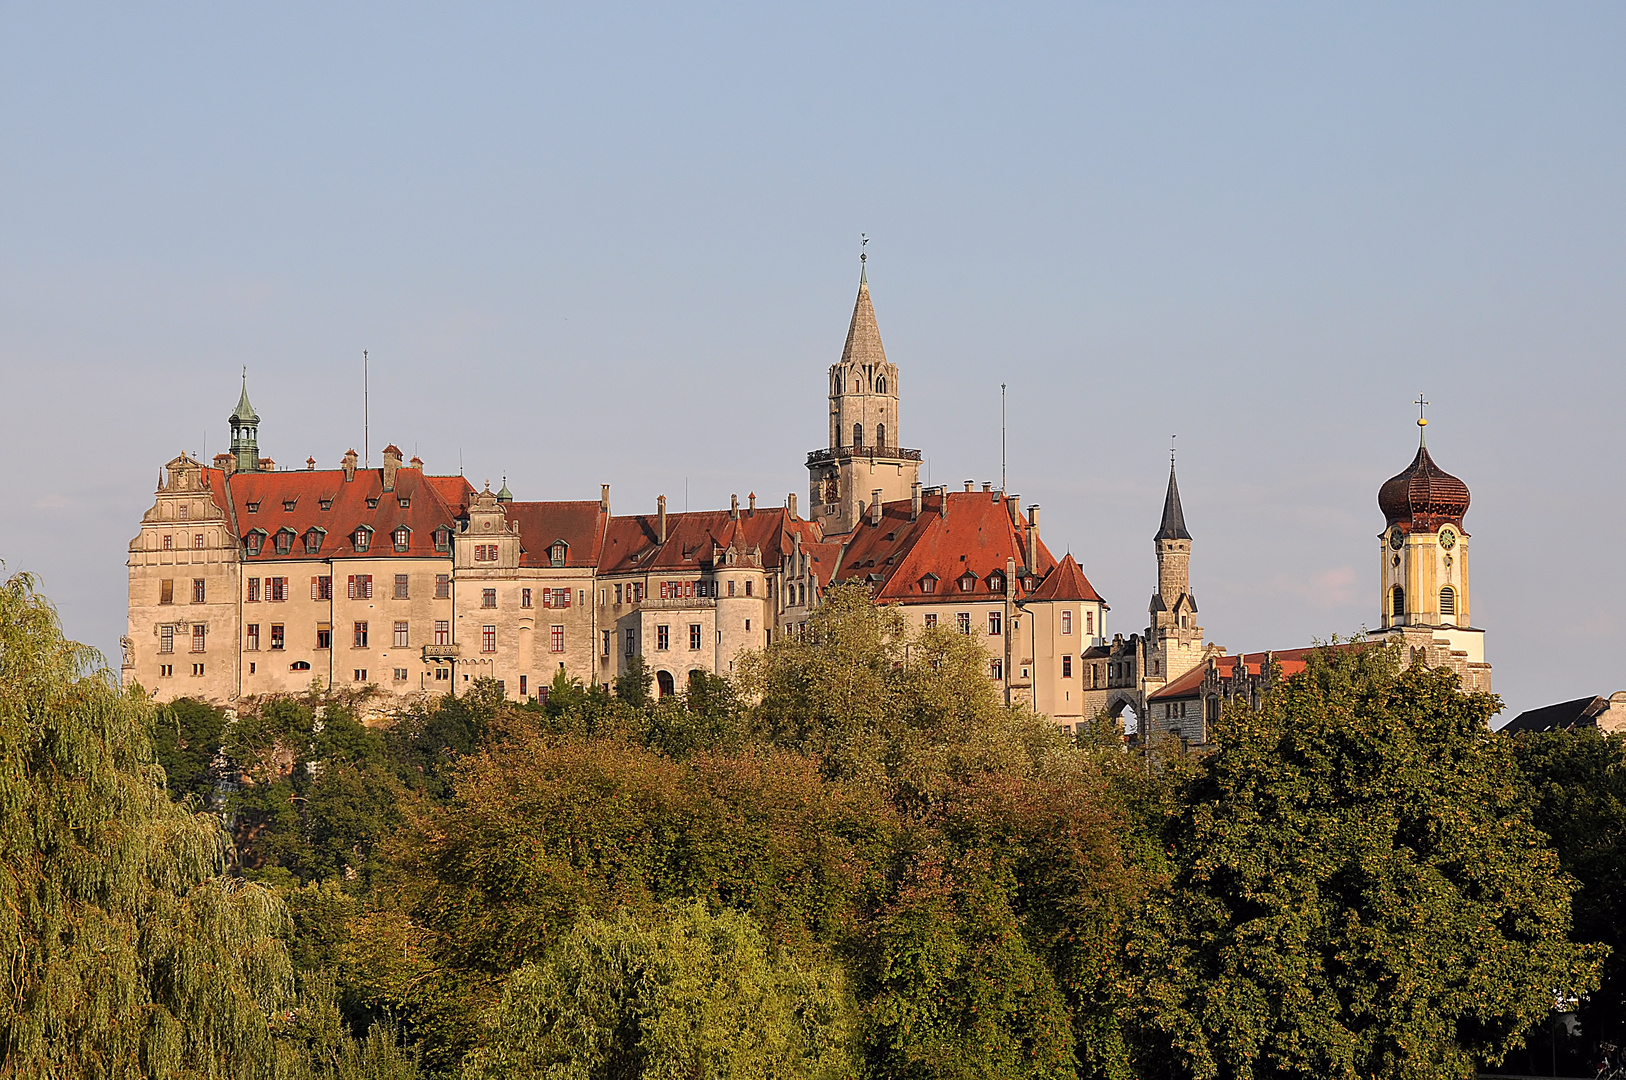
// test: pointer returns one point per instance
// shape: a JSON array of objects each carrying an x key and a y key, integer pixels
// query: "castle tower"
[
  {"x": 863, "y": 455},
  {"x": 245, "y": 433},
  {"x": 1174, "y": 640},
  {"x": 1424, "y": 593}
]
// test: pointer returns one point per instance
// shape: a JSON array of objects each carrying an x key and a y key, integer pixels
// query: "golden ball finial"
[{"x": 1421, "y": 422}]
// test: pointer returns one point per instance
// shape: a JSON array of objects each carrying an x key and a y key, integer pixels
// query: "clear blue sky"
[{"x": 619, "y": 244}]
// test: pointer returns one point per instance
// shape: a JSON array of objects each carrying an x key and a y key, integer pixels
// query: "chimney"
[
  {"x": 1010, "y": 576},
  {"x": 734, "y": 507},
  {"x": 660, "y": 515},
  {"x": 791, "y": 503},
  {"x": 349, "y": 465},
  {"x": 392, "y": 462},
  {"x": 1033, "y": 538},
  {"x": 987, "y": 486},
  {"x": 1013, "y": 503},
  {"x": 875, "y": 507},
  {"x": 416, "y": 463},
  {"x": 604, "y": 498},
  {"x": 310, "y": 464},
  {"x": 914, "y": 500},
  {"x": 752, "y": 512},
  {"x": 942, "y": 501},
  {"x": 971, "y": 485}
]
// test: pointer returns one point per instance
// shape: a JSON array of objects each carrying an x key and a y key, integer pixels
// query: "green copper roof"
[
  {"x": 244, "y": 413},
  {"x": 505, "y": 495}
]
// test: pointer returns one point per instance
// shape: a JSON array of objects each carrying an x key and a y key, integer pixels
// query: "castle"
[{"x": 247, "y": 579}]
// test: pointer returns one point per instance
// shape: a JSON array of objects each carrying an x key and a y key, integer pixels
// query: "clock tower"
[{"x": 1425, "y": 600}]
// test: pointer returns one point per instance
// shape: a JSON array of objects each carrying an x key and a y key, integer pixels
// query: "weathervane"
[{"x": 863, "y": 243}]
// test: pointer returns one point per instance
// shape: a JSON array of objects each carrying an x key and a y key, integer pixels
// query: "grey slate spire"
[{"x": 1174, "y": 522}]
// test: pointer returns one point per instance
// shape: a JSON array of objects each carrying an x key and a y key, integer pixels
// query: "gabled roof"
[
  {"x": 1566, "y": 715},
  {"x": 1065, "y": 582},
  {"x": 976, "y": 535},
  {"x": 863, "y": 336},
  {"x": 1290, "y": 662},
  {"x": 581, "y": 525},
  {"x": 632, "y": 544},
  {"x": 307, "y": 489}
]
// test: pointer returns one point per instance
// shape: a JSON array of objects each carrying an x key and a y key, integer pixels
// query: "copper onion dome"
[{"x": 1423, "y": 497}]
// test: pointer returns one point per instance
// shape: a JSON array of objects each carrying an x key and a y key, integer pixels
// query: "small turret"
[{"x": 245, "y": 432}]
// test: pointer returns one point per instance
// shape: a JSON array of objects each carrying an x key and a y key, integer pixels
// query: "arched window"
[
  {"x": 665, "y": 684},
  {"x": 880, "y": 385},
  {"x": 880, "y": 434},
  {"x": 858, "y": 436},
  {"x": 1448, "y": 601},
  {"x": 1397, "y": 602}
]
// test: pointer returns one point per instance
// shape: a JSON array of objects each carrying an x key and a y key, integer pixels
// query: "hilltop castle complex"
[{"x": 246, "y": 578}]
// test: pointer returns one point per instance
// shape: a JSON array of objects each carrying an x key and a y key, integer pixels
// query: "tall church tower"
[
  {"x": 1174, "y": 640},
  {"x": 245, "y": 433},
  {"x": 1423, "y": 574},
  {"x": 863, "y": 460}
]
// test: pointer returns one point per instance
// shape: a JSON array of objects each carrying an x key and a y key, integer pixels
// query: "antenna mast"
[
  {"x": 1001, "y": 437},
  {"x": 366, "y": 427}
]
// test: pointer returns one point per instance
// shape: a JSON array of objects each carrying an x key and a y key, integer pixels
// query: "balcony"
[
  {"x": 891, "y": 453},
  {"x": 441, "y": 652},
  {"x": 683, "y": 603}
]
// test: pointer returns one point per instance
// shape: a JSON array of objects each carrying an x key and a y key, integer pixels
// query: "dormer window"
[
  {"x": 254, "y": 507},
  {"x": 928, "y": 584},
  {"x": 362, "y": 538},
  {"x": 996, "y": 583},
  {"x": 285, "y": 541},
  {"x": 405, "y": 502},
  {"x": 254, "y": 541},
  {"x": 443, "y": 539},
  {"x": 313, "y": 541},
  {"x": 401, "y": 535},
  {"x": 968, "y": 581},
  {"x": 372, "y": 504},
  {"x": 326, "y": 504},
  {"x": 556, "y": 554},
  {"x": 289, "y": 504}
]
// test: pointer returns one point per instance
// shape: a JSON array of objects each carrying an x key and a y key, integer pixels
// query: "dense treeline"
[{"x": 850, "y": 861}]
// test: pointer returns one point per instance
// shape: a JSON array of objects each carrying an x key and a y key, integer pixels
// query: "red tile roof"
[
  {"x": 1291, "y": 662},
  {"x": 348, "y": 510},
  {"x": 977, "y": 535},
  {"x": 631, "y": 544},
  {"x": 581, "y": 525},
  {"x": 1066, "y": 582}
]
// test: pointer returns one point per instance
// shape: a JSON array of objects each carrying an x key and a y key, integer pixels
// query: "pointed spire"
[
  {"x": 863, "y": 336},
  {"x": 1174, "y": 521},
  {"x": 244, "y": 413}
]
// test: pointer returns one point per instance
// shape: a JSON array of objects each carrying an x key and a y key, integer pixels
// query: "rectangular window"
[
  {"x": 618, "y": 594},
  {"x": 1067, "y": 623},
  {"x": 251, "y": 637},
  {"x": 197, "y": 638},
  {"x": 442, "y": 674},
  {"x": 748, "y": 584},
  {"x": 169, "y": 543},
  {"x": 253, "y": 590},
  {"x": 184, "y": 512},
  {"x": 488, "y": 597},
  {"x": 996, "y": 670},
  {"x": 1089, "y": 623},
  {"x": 400, "y": 633},
  {"x": 525, "y": 598},
  {"x": 731, "y": 588},
  {"x": 360, "y": 640},
  {"x": 400, "y": 674},
  {"x": 166, "y": 670},
  {"x": 197, "y": 669},
  {"x": 401, "y": 587},
  {"x": 443, "y": 632},
  {"x": 197, "y": 541},
  {"x": 166, "y": 591},
  {"x": 607, "y": 642},
  {"x": 557, "y": 639},
  {"x": 694, "y": 635},
  {"x": 488, "y": 639},
  {"x": 663, "y": 637},
  {"x": 276, "y": 588},
  {"x": 360, "y": 674},
  {"x": 931, "y": 620},
  {"x": 963, "y": 619},
  {"x": 443, "y": 586},
  {"x": 324, "y": 636},
  {"x": 166, "y": 639},
  {"x": 361, "y": 586},
  {"x": 321, "y": 588},
  {"x": 996, "y": 623},
  {"x": 276, "y": 635},
  {"x": 198, "y": 592},
  {"x": 632, "y": 641},
  {"x": 1067, "y": 665}
]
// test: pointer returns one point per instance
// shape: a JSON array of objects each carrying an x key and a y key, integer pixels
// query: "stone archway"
[
  {"x": 664, "y": 684},
  {"x": 1123, "y": 707}
]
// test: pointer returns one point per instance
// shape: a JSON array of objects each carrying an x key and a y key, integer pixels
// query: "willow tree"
[{"x": 128, "y": 951}]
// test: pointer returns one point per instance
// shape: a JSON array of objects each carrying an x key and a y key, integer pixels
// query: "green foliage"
[
  {"x": 1358, "y": 891},
  {"x": 692, "y": 995},
  {"x": 186, "y": 736},
  {"x": 1577, "y": 785},
  {"x": 632, "y": 685}
]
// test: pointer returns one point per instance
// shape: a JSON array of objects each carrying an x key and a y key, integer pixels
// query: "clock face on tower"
[
  {"x": 1397, "y": 539},
  {"x": 1448, "y": 539}
]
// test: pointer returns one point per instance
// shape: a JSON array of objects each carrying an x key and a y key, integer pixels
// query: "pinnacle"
[
  {"x": 863, "y": 336},
  {"x": 1174, "y": 520}
]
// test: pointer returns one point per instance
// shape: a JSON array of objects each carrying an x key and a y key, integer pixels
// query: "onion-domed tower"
[{"x": 1425, "y": 595}]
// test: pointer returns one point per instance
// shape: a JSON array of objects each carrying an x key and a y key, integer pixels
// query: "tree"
[
  {"x": 695, "y": 994},
  {"x": 129, "y": 953},
  {"x": 1358, "y": 890}
]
